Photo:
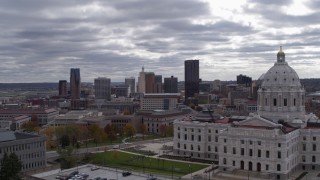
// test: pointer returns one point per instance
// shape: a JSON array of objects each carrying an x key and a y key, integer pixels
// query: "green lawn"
[
  {"x": 146, "y": 137},
  {"x": 144, "y": 164}
]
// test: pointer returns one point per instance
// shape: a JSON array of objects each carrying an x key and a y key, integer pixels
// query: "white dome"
[{"x": 281, "y": 75}]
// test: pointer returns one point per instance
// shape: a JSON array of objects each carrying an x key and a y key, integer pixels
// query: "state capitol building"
[{"x": 278, "y": 140}]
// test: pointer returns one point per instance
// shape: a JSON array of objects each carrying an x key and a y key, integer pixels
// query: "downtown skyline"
[{"x": 42, "y": 40}]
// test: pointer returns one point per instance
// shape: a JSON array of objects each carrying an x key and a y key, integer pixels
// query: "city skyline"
[{"x": 115, "y": 39}]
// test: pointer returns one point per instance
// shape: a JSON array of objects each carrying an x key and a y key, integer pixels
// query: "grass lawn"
[
  {"x": 144, "y": 164},
  {"x": 146, "y": 137}
]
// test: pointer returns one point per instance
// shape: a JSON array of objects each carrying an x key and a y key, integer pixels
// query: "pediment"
[{"x": 257, "y": 121}]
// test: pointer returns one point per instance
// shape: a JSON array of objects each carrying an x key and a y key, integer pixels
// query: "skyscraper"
[
  {"x": 102, "y": 88},
  {"x": 141, "y": 88},
  {"x": 191, "y": 78},
  {"x": 170, "y": 85},
  {"x": 63, "y": 88},
  {"x": 75, "y": 83},
  {"x": 149, "y": 82},
  {"x": 131, "y": 82},
  {"x": 157, "y": 84}
]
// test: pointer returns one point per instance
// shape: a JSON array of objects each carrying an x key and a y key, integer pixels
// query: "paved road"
[{"x": 54, "y": 154}]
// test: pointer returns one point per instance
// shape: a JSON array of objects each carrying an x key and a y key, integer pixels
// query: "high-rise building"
[
  {"x": 131, "y": 82},
  {"x": 102, "y": 88},
  {"x": 149, "y": 82},
  {"x": 75, "y": 83},
  {"x": 191, "y": 78},
  {"x": 170, "y": 85},
  {"x": 157, "y": 84},
  {"x": 141, "y": 88},
  {"x": 63, "y": 88}
]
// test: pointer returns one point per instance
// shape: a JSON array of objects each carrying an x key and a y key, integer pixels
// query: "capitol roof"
[{"x": 281, "y": 74}]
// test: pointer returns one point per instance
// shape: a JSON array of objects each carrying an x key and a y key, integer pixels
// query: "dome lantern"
[{"x": 281, "y": 57}]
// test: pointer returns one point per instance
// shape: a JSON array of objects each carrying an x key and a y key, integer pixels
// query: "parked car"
[
  {"x": 94, "y": 168},
  {"x": 127, "y": 173}
]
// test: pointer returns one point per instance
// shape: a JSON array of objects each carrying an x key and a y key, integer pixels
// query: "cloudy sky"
[{"x": 41, "y": 40}]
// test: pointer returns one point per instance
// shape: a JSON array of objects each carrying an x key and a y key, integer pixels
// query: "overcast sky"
[{"x": 41, "y": 40}]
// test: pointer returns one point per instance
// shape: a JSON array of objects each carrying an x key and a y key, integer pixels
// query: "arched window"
[{"x": 224, "y": 161}]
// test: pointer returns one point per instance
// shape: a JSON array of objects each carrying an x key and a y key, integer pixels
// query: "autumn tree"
[
  {"x": 96, "y": 133},
  {"x": 129, "y": 130},
  {"x": 49, "y": 133},
  {"x": 110, "y": 131},
  {"x": 143, "y": 130},
  {"x": 162, "y": 129},
  {"x": 30, "y": 126}
]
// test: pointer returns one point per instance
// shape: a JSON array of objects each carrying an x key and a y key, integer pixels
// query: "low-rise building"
[
  {"x": 30, "y": 148},
  {"x": 43, "y": 115},
  {"x": 164, "y": 101},
  {"x": 13, "y": 123}
]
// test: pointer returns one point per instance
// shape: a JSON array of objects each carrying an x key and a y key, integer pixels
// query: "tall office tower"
[
  {"x": 131, "y": 82},
  {"x": 191, "y": 78},
  {"x": 141, "y": 88},
  {"x": 170, "y": 85},
  {"x": 102, "y": 88},
  {"x": 75, "y": 83},
  {"x": 157, "y": 84},
  {"x": 63, "y": 88},
  {"x": 149, "y": 82}
]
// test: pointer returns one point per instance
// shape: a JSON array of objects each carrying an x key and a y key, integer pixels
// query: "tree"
[
  {"x": 162, "y": 129},
  {"x": 96, "y": 133},
  {"x": 49, "y": 133},
  {"x": 30, "y": 126},
  {"x": 64, "y": 141},
  {"x": 67, "y": 157},
  {"x": 169, "y": 130},
  {"x": 111, "y": 134},
  {"x": 10, "y": 167},
  {"x": 143, "y": 130},
  {"x": 129, "y": 130}
]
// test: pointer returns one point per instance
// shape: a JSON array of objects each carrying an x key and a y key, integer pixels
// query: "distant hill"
[
  {"x": 27, "y": 86},
  {"x": 311, "y": 85}
]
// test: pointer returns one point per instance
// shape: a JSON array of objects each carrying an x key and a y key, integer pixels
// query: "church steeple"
[{"x": 281, "y": 57}]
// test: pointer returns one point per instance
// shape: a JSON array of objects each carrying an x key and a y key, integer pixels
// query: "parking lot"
[{"x": 101, "y": 172}]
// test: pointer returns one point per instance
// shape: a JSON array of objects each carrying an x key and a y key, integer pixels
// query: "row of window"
[
  {"x": 20, "y": 147},
  {"x": 304, "y": 147},
  {"x": 313, "y": 159},
  {"x": 250, "y": 165},
  {"x": 199, "y": 130}
]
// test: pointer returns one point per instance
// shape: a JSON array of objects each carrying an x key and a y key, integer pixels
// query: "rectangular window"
[
  {"x": 234, "y": 150},
  {"x": 279, "y": 144},
  {"x": 250, "y": 152},
  {"x": 259, "y": 153},
  {"x": 267, "y": 167},
  {"x": 224, "y": 149},
  {"x": 314, "y": 147},
  {"x": 274, "y": 102},
  {"x": 267, "y": 154},
  {"x": 224, "y": 140},
  {"x": 242, "y": 151},
  {"x": 279, "y": 154},
  {"x": 192, "y": 137},
  {"x": 209, "y": 138},
  {"x": 314, "y": 138},
  {"x": 242, "y": 141},
  {"x": 199, "y": 138},
  {"x": 285, "y": 103},
  {"x": 303, "y": 147},
  {"x": 259, "y": 143},
  {"x": 233, "y": 163},
  {"x": 313, "y": 158},
  {"x": 185, "y": 137}
]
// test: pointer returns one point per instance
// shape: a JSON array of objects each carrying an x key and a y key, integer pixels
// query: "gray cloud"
[{"x": 41, "y": 40}]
